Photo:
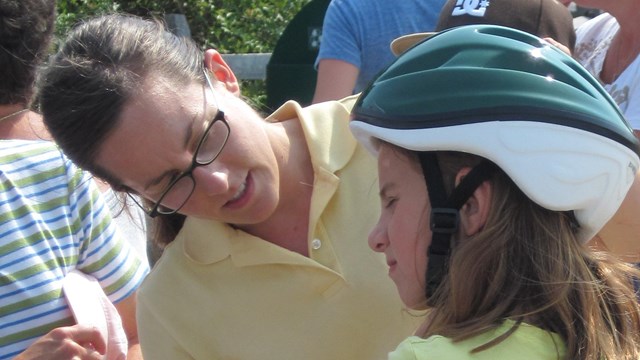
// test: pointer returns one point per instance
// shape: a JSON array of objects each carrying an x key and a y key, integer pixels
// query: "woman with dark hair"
[{"x": 271, "y": 261}]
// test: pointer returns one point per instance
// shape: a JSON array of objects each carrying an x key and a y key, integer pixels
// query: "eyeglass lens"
[{"x": 210, "y": 147}]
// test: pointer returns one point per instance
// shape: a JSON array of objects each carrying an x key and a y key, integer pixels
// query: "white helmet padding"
[{"x": 558, "y": 167}]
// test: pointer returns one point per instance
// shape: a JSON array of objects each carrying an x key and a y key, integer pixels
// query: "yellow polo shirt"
[{"x": 220, "y": 293}]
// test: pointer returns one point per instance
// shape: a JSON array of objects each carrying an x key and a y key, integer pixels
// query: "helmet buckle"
[{"x": 444, "y": 220}]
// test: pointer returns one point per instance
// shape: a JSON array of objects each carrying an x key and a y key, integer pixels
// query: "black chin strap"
[{"x": 445, "y": 216}]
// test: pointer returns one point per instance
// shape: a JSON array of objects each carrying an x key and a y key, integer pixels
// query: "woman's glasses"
[{"x": 179, "y": 191}]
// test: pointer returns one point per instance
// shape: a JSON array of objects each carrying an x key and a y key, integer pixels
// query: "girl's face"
[
  {"x": 402, "y": 232},
  {"x": 157, "y": 134}
]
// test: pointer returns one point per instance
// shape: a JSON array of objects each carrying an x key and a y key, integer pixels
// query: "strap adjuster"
[{"x": 444, "y": 220}]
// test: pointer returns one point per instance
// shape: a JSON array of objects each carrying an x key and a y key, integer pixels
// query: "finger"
[
  {"x": 88, "y": 355},
  {"x": 92, "y": 355},
  {"x": 89, "y": 337}
]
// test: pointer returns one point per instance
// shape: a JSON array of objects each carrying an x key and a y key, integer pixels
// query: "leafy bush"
[{"x": 230, "y": 26}]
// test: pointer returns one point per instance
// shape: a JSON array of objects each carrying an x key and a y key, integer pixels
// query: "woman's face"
[
  {"x": 402, "y": 232},
  {"x": 156, "y": 137}
]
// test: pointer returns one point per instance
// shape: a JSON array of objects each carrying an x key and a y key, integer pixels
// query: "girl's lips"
[
  {"x": 392, "y": 265},
  {"x": 242, "y": 195}
]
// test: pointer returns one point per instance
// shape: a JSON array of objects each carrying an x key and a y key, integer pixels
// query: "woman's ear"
[
  {"x": 474, "y": 213},
  {"x": 214, "y": 62}
]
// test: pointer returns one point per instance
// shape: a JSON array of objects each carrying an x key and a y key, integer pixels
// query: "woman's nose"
[
  {"x": 211, "y": 179},
  {"x": 378, "y": 240}
]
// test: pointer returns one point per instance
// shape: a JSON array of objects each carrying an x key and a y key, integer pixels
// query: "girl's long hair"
[{"x": 528, "y": 265}]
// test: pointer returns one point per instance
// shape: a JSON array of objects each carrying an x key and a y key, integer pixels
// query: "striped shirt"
[{"x": 52, "y": 220}]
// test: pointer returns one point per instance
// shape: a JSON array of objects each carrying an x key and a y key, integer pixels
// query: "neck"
[
  {"x": 21, "y": 124},
  {"x": 8, "y": 109}
]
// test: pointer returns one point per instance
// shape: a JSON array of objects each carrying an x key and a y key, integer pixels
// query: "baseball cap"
[{"x": 544, "y": 18}]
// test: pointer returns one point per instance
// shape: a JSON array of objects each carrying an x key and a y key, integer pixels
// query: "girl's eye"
[{"x": 389, "y": 202}]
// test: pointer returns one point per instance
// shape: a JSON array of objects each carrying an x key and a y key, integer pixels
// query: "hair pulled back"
[{"x": 101, "y": 65}]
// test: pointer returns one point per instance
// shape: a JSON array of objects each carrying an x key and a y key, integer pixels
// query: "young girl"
[{"x": 525, "y": 157}]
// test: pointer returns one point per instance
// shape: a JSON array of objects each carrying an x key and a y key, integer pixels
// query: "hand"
[{"x": 76, "y": 342}]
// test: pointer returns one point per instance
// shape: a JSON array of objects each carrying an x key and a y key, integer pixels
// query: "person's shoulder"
[
  {"x": 20, "y": 147},
  {"x": 352, "y": 4},
  {"x": 597, "y": 25},
  {"x": 433, "y": 347},
  {"x": 526, "y": 342},
  {"x": 21, "y": 153},
  {"x": 358, "y": 9}
]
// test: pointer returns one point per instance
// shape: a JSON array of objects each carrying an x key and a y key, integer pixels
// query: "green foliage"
[
  {"x": 230, "y": 26},
  {"x": 72, "y": 11}
]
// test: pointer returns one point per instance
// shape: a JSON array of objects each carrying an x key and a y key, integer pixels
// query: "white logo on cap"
[{"x": 470, "y": 7}]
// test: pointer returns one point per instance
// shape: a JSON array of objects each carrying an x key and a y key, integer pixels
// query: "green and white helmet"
[{"x": 515, "y": 100}]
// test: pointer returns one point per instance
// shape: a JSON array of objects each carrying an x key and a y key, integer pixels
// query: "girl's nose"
[
  {"x": 378, "y": 240},
  {"x": 211, "y": 179}
]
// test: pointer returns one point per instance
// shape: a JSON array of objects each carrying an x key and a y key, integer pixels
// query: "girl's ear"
[
  {"x": 223, "y": 73},
  {"x": 474, "y": 213}
]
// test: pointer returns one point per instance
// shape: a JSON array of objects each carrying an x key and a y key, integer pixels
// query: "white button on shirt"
[{"x": 316, "y": 244}]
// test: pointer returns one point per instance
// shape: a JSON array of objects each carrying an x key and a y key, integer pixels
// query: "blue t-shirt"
[{"x": 360, "y": 31}]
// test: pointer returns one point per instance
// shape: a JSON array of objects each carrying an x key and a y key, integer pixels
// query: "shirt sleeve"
[
  {"x": 434, "y": 347},
  {"x": 340, "y": 40},
  {"x": 102, "y": 253},
  {"x": 404, "y": 351},
  {"x": 632, "y": 113}
]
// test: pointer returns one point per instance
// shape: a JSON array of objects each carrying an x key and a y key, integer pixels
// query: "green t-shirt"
[{"x": 527, "y": 342}]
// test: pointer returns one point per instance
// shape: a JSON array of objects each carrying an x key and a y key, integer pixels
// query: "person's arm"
[
  {"x": 108, "y": 257},
  {"x": 336, "y": 80},
  {"x": 339, "y": 57},
  {"x": 127, "y": 310},
  {"x": 71, "y": 342}
]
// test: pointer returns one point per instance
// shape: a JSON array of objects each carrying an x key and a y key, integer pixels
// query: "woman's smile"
[{"x": 243, "y": 194}]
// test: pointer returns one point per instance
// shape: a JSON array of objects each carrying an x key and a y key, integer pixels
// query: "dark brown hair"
[
  {"x": 26, "y": 29},
  {"x": 101, "y": 65},
  {"x": 528, "y": 265}
]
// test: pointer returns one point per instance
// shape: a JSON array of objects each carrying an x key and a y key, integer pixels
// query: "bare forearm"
[{"x": 135, "y": 352}]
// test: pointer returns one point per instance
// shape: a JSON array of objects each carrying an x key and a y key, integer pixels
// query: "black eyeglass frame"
[{"x": 156, "y": 209}]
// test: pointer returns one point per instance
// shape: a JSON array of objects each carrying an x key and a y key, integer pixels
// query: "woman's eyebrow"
[{"x": 187, "y": 139}]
